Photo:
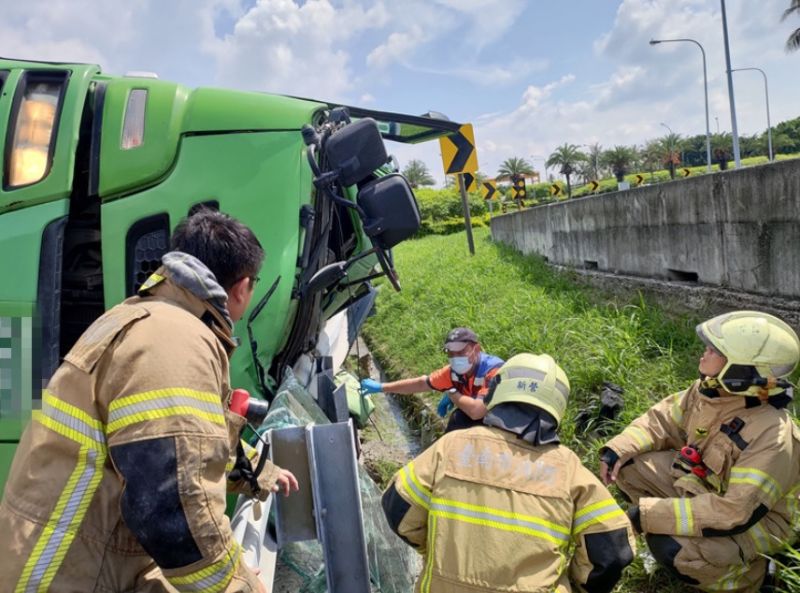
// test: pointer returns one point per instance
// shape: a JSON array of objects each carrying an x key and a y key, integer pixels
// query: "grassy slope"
[{"x": 518, "y": 304}]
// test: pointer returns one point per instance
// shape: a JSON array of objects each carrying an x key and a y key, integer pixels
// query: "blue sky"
[{"x": 528, "y": 75}]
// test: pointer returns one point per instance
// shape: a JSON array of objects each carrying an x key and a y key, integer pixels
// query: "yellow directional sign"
[
  {"x": 489, "y": 189},
  {"x": 593, "y": 185},
  {"x": 555, "y": 190},
  {"x": 458, "y": 151},
  {"x": 518, "y": 187},
  {"x": 638, "y": 180},
  {"x": 470, "y": 183},
  {"x": 686, "y": 172}
]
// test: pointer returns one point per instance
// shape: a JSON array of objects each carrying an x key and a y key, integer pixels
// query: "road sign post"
[
  {"x": 467, "y": 220},
  {"x": 459, "y": 157}
]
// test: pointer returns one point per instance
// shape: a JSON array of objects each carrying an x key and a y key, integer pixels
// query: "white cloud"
[
  {"x": 397, "y": 47},
  {"x": 653, "y": 84}
]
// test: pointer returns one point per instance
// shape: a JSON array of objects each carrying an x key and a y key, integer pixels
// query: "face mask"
[{"x": 460, "y": 364}]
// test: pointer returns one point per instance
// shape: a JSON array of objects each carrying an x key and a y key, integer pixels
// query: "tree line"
[{"x": 669, "y": 152}]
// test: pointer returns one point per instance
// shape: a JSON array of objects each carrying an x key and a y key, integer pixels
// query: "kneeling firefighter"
[
  {"x": 714, "y": 471},
  {"x": 506, "y": 507}
]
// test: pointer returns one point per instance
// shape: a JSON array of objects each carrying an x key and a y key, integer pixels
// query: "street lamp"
[
  {"x": 766, "y": 94},
  {"x": 705, "y": 89},
  {"x": 734, "y": 129}
]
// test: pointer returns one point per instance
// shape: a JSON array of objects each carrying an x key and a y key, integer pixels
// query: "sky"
[{"x": 528, "y": 75}]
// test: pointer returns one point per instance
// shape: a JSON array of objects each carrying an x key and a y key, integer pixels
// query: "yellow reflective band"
[
  {"x": 425, "y": 586},
  {"x": 640, "y": 436},
  {"x": 684, "y": 518},
  {"x": 499, "y": 519},
  {"x": 71, "y": 422},
  {"x": 214, "y": 578},
  {"x": 755, "y": 477},
  {"x": 677, "y": 411},
  {"x": 164, "y": 403},
  {"x": 412, "y": 486},
  {"x": 760, "y": 537},
  {"x": 595, "y": 513},
  {"x": 793, "y": 504},
  {"x": 59, "y": 532}
]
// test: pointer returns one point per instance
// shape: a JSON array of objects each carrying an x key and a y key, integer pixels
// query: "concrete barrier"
[{"x": 737, "y": 229}]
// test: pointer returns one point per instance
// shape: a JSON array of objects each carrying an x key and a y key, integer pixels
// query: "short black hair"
[{"x": 228, "y": 247}]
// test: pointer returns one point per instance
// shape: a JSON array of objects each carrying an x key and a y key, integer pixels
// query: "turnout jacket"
[
  {"x": 491, "y": 512},
  {"x": 119, "y": 483},
  {"x": 751, "y": 453}
]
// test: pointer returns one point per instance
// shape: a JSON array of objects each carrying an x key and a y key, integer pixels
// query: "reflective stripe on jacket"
[
  {"x": 751, "y": 453},
  {"x": 125, "y": 463},
  {"x": 491, "y": 512}
]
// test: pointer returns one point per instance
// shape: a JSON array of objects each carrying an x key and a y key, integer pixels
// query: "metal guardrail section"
[
  {"x": 294, "y": 515},
  {"x": 323, "y": 459}
]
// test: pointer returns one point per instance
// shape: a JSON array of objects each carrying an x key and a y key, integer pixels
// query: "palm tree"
[
  {"x": 671, "y": 152},
  {"x": 721, "y": 149},
  {"x": 595, "y": 156},
  {"x": 650, "y": 157},
  {"x": 514, "y": 166},
  {"x": 619, "y": 160},
  {"x": 417, "y": 174},
  {"x": 793, "y": 43},
  {"x": 566, "y": 156}
]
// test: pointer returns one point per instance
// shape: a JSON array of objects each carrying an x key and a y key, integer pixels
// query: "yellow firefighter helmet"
[
  {"x": 532, "y": 379},
  {"x": 760, "y": 348}
]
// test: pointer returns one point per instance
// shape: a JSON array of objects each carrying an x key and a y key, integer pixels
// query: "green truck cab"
[{"x": 97, "y": 170}]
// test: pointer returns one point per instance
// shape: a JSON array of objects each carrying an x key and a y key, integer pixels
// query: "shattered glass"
[{"x": 393, "y": 565}]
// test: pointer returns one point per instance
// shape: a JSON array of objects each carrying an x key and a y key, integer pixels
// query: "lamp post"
[
  {"x": 705, "y": 90},
  {"x": 766, "y": 94},
  {"x": 734, "y": 129}
]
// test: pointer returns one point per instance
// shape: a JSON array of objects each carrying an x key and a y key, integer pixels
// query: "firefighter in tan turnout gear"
[
  {"x": 119, "y": 483},
  {"x": 506, "y": 507},
  {"x": 714, "y": 471}
]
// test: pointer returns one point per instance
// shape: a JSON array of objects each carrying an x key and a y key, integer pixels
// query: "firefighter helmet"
[
  {"x": 760, "y": 349},
  {"x": 531, "y": 379}
]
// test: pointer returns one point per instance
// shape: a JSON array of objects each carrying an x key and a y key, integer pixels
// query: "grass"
[{"x": 516, "y": 304}]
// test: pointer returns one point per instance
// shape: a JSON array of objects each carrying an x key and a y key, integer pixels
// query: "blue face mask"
[{"x": 460, "y": 364}]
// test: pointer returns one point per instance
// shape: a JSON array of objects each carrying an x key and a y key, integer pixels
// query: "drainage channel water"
[{"x": 388, "y": 438}]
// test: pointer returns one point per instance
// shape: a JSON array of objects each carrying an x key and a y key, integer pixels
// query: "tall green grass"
[{"x": 518, "y": 304}]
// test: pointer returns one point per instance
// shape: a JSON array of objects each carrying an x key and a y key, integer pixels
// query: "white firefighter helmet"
[
  {"x": 532, "y": 379},
  {"x": 760, "y": 349}
]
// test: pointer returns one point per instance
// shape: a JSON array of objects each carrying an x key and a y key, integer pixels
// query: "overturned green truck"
[{"x": 98, "y": 169}]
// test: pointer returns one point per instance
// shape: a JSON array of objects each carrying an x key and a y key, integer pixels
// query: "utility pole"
[{"x": 734, "y": 129}]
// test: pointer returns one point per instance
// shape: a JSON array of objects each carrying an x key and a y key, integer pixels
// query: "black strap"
[{"x": 732, "y": 429}]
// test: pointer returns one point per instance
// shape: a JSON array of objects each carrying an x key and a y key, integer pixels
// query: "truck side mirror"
[
  {"x": 355, "y": 151},
  {"x": 391, "y": 214}
]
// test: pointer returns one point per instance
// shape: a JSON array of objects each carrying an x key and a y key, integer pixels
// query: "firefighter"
[
  {"x": 119, "y": 483},
  {"x": 506, "y": 507},
  {"x": 714, "y": 471},
  {"x": 464, "y": 381}
]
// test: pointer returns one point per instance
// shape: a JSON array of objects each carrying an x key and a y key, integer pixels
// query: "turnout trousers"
[{"x": 728, "y": 563}]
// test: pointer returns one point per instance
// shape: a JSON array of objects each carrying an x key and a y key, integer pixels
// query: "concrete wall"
[{"x": 739, "y": 229}]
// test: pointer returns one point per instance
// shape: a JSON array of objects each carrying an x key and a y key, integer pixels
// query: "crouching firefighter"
[
  {"x": 506, "y": 507},
  {"x": 119, "y": 484},
  {"x": 714, "y": 471}
]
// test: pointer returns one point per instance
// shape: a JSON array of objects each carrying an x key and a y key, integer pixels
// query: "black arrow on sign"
[
  {"x": 490, "y": 191},
  {"x": 468, "y": 180},
  {"x": 464, "y": 150}
]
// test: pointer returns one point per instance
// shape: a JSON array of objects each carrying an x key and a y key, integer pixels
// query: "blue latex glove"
[
  {"x": 369, "y": 386},
  {"x": 445, "y": 405}
]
